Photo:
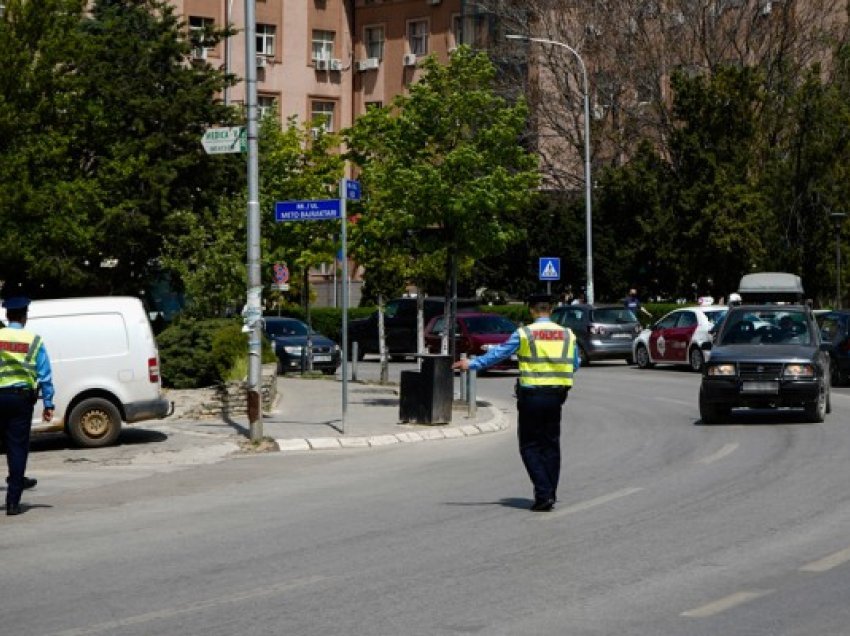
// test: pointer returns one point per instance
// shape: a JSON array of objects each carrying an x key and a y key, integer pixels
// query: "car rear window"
[
  {"x": 767, "y": 327},
  {"x": 489, "y": 324},
  {"x": 715, "y": 316},
  {"x": 613, "y": 316}
]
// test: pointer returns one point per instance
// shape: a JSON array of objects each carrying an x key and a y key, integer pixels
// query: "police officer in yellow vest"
[
  {"x": 548, "y": 358},
  {"x": 24, "y": 366}
]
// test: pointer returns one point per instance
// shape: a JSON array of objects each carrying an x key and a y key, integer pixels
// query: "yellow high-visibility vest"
[
  {"x": 546, "y": 353},
  {"x": 18, "y": 354}
]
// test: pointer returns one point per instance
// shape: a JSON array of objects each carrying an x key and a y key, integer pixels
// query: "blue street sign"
[
  {"x": 311, "y": 210},
  {"x": 352, "y": 190},
  {"x": 550, "y": 268}
]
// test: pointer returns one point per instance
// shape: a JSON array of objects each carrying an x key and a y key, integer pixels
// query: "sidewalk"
[{"x": 308, "y": 416}]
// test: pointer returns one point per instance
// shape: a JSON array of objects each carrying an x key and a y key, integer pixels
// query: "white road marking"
[
  {"x": 586, "y": 505},
  {"x": 728, "y": 449},
  {"x": 199, "y": 606},
  {"x": 674, "y": 400},
  {"x": 725, "y": 603},
  {"x": 828, "y": 562}
]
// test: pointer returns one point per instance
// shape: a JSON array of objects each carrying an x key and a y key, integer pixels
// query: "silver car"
[{"x": 603, "y": 332}]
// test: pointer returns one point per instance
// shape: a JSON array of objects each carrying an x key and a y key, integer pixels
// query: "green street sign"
[{"x": 217, "y": 141}]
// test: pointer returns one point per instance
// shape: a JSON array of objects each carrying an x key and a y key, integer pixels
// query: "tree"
[
  {"x": 444, "y": 171},
  {"x": 101, "y": 118}
]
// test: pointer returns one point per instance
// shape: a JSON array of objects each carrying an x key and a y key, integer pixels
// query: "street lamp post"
[
  {"x": 587, "y": 178},
  {"x": 837, "y": 218}
]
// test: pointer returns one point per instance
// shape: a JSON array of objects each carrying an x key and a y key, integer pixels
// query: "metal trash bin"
[{"x": 426, "y": 396}]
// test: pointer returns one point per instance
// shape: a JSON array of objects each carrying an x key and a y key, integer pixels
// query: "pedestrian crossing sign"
[{"x": 550, "y": 268}]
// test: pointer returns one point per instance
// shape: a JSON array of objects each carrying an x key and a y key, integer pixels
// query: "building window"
[
  {"x": 471, "y": 30},
  {"x": 323, "y": 44},
  {"x": 322, "y": 116},
  {"x": 199, "y": 28},
  {"x": 417, "y": 37},
  {"x": 370, "y": 105},
  {"x": 265, "y": 39},
  {"x": 266, "y": 104},
  {"x": 374, "y": 39}
]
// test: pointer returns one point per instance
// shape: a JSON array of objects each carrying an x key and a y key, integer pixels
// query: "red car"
[{"x": 475, "y": 333}]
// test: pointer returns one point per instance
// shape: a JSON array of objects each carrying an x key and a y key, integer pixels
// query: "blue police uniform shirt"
[
  {"x": 43, "y": 371},
  {"x": 509, "y": 347}
]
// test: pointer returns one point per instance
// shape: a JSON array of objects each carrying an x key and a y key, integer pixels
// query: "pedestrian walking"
[
  {"x": 548, "y": 358},
  {"x": 24, "y": 367},
  {"x": 633, "y": 302}
]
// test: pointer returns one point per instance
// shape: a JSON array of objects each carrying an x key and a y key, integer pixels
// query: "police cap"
[
  {"x": 16, "y": 302},
  {"x": 539, "y": 299}
]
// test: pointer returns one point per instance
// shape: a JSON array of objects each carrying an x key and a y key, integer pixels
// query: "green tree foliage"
[
  {"x": 443, "y": 170},
  {"x": 101, "y": 115}
]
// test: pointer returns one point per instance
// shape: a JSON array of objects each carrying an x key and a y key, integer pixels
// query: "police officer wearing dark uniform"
[
  {"x": 548, "y": 358},
  {"x": 24, "y": 367}
]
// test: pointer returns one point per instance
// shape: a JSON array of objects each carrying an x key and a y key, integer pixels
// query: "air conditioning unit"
[
  {"x": 409, "y": 59},
  {"x": 322, "y": 65},
  {"x": 262, "y": 61},
  {"x": 199, "y": 53},
  {"x": 368, "y": 64},
  {"x": 598, "y": 112},
  {"x": 335, "y": 65}
]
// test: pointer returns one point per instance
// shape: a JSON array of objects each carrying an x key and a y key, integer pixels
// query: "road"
[{"x": 664, "y": 527}]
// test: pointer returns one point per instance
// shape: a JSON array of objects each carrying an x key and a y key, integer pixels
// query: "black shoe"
[
  {"x": 543, "y": 505},
  {"x": 13, "y": 509},
  {"x": 28, "y": 482}
]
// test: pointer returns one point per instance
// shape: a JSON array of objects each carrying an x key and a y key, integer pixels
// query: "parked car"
[
  {"x": 603, "y": 332},
  {"x": 105, "y": 366},
  {"x": 835, "y": 331},
  {"x": 475, "y": 333},
  {"x": 290, "y": 336},
  {"x": 678, "y": 337},
  {"x": 399, "y": 325},
  {"x": 780, "y": 364}
]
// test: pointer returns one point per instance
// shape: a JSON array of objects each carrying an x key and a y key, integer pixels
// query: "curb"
[{"x": 497, "y": 422}]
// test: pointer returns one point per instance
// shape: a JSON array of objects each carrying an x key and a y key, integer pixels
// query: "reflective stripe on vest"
[
  {"x": 18, "y": 355},
  {"x": 546, "y": 353}
]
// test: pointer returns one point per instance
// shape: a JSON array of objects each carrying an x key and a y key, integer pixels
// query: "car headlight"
[
  {"x": 294, "y": 350},
  {"x": 336, "y": 348},
  {"x": 799, "y": 370},
  {"x": 721, "y": 369}
]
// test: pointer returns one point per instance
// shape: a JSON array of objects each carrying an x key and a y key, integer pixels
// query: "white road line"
[
  {"x": 827, "y": 563},
  {"x": 139, "y": 619},
  {"x": 728, "y": 449},
  {"x": 586, "y": 505},
  {"x": 725, "y": 603},
  {"x": 674, "y": 400}
]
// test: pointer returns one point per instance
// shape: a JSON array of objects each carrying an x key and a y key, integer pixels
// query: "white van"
[{"x": 105, "y": 366}]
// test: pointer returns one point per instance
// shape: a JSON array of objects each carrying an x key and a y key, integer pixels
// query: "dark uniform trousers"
[
  {"x": 16, "y": 407},
  {"x": 539, "y": 431}
]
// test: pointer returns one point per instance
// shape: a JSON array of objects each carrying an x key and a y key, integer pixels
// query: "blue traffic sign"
[
  {"x": 550, "y": 268},
  {"x": 310, "y": 210},
  {"x": 352, "y": 190}
]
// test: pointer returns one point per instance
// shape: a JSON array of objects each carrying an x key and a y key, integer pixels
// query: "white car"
[{"x": 677, "y": 337}]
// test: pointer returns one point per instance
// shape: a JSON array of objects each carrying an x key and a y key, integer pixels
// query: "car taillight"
[
  {"x": 153, "y": 370},
  {"x": 596, "y": 330}
]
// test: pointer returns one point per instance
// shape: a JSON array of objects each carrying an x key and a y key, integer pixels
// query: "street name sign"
[
  {"x": 352, "y": 190},
  {"x": 550, "y": 268},
  {"x": 309, "y": 210},
  {"x": 218, "y": 141}
]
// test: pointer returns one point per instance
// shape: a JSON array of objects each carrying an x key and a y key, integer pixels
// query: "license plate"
[
  {"x": 621, "y": 335},
  {"x": 760, "y": 387},
  {"x": 321, "y": 358}
]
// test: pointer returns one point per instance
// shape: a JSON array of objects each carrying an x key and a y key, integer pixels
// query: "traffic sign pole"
[{"x": 343, "y": 194}]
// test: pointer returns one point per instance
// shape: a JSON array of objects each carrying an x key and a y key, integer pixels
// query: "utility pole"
[{"x": 253, "y": 307}]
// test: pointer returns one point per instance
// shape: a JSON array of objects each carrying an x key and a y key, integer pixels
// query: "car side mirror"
[{"x": 706, "y": 346}]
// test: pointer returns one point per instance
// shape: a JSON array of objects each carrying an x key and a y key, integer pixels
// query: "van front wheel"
[{"x": 94, "y": 422}]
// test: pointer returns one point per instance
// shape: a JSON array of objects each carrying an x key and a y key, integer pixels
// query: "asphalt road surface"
[{"x": 664, "y": 527}]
